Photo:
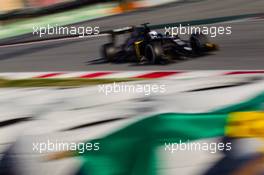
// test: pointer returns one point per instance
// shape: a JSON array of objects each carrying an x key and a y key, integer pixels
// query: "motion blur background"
[{"x": 11, "y": 5}]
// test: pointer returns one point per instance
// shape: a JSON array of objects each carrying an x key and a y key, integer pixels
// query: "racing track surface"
[{"x": 242, "y": 50}]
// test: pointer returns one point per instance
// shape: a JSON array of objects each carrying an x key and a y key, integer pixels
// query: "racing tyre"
[
  {"x": 198, "y": 42},
  {"x": 109, "y": 52},
  {"x": 154, "y": 52}
]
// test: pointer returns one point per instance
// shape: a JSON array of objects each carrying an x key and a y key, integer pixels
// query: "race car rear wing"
[
  {"x": 119, "y": 31},
  {"x": 122, "y": 30}
]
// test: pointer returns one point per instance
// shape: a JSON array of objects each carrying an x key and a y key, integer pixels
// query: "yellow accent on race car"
[
  {"x": 245, "y": 124},
  {"x": 137, "y": 48}
]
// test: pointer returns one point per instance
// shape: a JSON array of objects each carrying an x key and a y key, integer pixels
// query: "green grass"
[{"x": 57, "y": 82}]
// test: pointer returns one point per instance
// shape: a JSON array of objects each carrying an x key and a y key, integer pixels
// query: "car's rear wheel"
[
  {"x": 109, "y": 52},
  {"x": 198, "y": 43},
  {"x": 154, "y": 52}
]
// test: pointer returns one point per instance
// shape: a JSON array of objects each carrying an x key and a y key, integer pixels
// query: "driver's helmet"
[{"x": 153, "y": 34}]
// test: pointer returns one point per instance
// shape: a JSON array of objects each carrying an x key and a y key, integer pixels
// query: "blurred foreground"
[{"x": 133, "y": 130}]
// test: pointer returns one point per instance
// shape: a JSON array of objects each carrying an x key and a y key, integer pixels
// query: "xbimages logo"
[
  {"x": 212, "y": 31},
  {"x": 64, "y": 30},
  {"x": 212, "y": 147},
  {"x": 50, "y": 146},
  {"x": 146, "y": 89}
]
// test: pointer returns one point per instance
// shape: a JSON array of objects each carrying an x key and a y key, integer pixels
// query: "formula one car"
[{"x": 145, "y": 45}]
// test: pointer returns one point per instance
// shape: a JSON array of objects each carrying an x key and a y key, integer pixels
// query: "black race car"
[{"x": 146, "y": 46}]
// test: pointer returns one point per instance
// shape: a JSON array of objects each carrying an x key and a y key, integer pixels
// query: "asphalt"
[{"x": 243, "y": 49}]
